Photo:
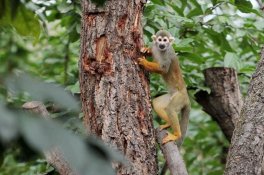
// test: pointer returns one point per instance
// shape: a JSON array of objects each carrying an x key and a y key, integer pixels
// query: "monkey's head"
[{"x": 163, "y": 40}]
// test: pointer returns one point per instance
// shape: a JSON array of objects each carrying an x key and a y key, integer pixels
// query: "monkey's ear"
[
  {"x": 171, "y": 39},
  {"x": 153, "y": 37}
]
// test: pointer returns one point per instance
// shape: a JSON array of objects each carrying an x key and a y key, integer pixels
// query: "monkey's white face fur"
[{"x": 162, "y": 42}]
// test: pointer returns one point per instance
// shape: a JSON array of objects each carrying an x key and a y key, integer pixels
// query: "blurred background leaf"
[{"x": 24, "y": 20}]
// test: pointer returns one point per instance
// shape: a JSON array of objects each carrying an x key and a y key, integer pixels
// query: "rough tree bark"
[
  {"x": 246, "y": 152},
  {"x": 224, "y": 102},
  {"x": 114, "y": 90}
]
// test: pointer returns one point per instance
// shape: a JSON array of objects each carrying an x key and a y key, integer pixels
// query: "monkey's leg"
[
  {"x": 174, "y": 107},
  {"x": 159, "y": 105},
  {"x": 175, "y": 125}
]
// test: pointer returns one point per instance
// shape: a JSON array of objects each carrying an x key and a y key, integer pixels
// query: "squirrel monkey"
[{"x": 176, "y": 101}]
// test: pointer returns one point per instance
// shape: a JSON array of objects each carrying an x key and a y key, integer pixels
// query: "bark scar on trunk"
[
  {"x": 103, "y": 61},
  {"x": 101, "y": 49}
]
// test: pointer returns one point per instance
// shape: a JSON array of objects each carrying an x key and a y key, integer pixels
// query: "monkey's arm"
[{"x": 150, "y": 66}]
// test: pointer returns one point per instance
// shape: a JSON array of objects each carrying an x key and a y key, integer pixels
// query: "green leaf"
[
  {"x": 225, "y": 43},
  {"x": 65, "y": 7},
  {"x": 150, "y": 8},
  {"x": 259, "y": 24},
  {"x": 159, "y": 2},
  {"x": 183, "y": 48},
  {"x": 232, "y": 60},
  {"x": 177, "y": 9},
  {"x": 23, "y": 20},
  {"x": 196, "y": 4},
  {"x": 214, "y": 2},
  {"x": 183, "y": 45},
  {"x": 195, "y": 58},
  {"x": 74, "y": 88},
  {"x": 245, "y": 7},
  {"x": 195, "y": 12},
  {"x": 184, "y": 3},
  {"x": 74, "y": 35}
]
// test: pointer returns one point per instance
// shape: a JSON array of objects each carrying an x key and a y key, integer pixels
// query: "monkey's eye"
[
  {"x": 165, "y": 40},
  {"x": 159, "y": 39}
]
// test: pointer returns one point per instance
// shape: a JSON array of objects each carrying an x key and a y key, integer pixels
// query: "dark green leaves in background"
[
  {"x": 209, "y": 34},
  {"x": 24, "y": 20}
]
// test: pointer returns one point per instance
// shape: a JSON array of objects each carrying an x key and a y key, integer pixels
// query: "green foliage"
[
  {"x": 11, "y": 166},
  {"x": 231, "y": 60},
  {"x": 207, "y": 33},
  {"x": 14, "y": 14}
]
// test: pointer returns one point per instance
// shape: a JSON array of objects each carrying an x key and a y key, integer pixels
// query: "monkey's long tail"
[{"x": 185, "y": 113}]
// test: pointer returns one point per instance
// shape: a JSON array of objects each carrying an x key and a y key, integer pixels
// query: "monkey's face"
[{"x": 162, "y": 42}]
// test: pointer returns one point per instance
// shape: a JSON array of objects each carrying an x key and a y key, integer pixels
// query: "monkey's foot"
[
  {"x": 170, "y": 137},
  {"x": 145, "y": 50},
  {"x": 161, "y": 127}
]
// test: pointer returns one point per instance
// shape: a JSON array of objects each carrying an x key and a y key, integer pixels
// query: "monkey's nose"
[{"x": 161, "y": 46}]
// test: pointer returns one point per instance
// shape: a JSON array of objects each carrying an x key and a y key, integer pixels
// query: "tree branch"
[
  {"x": 54, "y": 157},
  {"x": 172, "y": 155}
]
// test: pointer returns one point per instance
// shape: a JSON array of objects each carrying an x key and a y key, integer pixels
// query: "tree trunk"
[
  {"x": 246, "y": 151},
  {"x": 224, "y": 102},
  {"x": 114, "y": 90}
]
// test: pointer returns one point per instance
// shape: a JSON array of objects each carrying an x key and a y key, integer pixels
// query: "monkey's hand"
[
  {"x": 146, "y": 51},
  {"x": 142, "y": 61}
]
